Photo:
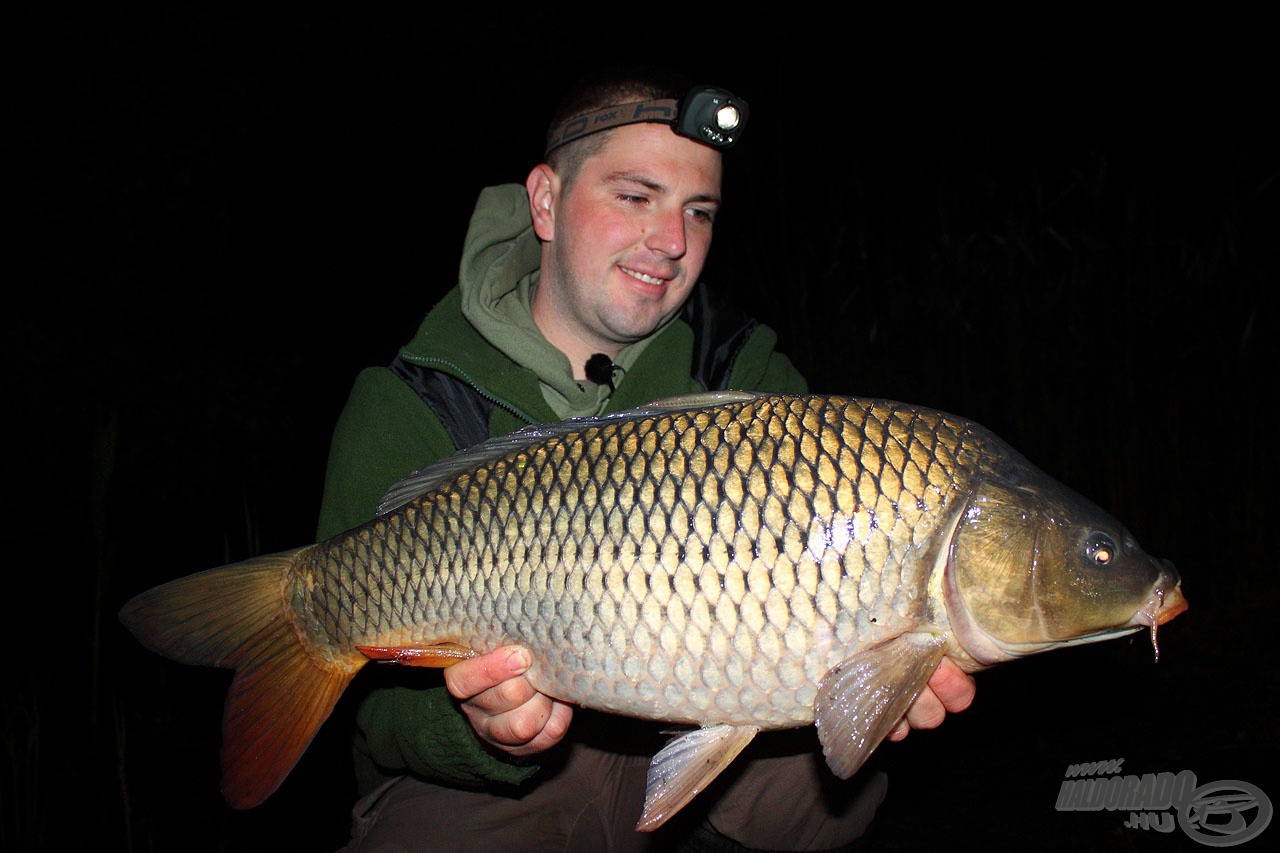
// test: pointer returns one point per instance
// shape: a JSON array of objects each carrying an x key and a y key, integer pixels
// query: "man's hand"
[
  {"x": 506, "y": 712},
  {"x": 949, "y": 689},
  {"x": 502, "y": 707}
]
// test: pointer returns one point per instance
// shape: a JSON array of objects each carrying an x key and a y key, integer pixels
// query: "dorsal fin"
[{"x": 429, "y": 477}]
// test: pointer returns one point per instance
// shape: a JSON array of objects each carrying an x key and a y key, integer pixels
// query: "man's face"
[{"x": 626, "y": 241}]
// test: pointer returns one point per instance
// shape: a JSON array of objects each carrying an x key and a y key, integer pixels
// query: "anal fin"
[
  {"x": 861, "y": 699},
  {"x": 438, "y": 655},
  {"x": 686, "y": 766}
]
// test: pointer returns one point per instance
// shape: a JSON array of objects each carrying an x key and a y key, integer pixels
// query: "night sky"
[{"x": 1059, "y": 226}]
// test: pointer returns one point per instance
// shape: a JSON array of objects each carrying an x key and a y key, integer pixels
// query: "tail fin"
[{"x": 238, "y": 617}]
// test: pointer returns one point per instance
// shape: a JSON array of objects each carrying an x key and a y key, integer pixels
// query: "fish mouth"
[
  {"x": 1170, "y": 606},
  {"x": 1166, "y": 599},
  {"x": 1165, "y": 603}
]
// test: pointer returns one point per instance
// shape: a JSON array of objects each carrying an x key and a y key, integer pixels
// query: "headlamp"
[{"x": 706, "y": 114}]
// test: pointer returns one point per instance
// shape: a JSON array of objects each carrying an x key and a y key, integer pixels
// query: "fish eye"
[{"x": 1100, "y": 548}]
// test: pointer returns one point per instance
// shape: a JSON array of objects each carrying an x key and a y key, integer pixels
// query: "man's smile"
[{"x": 645, "y": 277}]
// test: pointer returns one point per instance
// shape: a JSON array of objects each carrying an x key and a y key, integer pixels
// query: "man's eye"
[
  {"x": 701, "y": 215},
  {"x": 632, "y": 199}
]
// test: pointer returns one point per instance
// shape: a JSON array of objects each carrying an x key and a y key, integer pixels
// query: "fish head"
[{"x": 1033, "y": 565}]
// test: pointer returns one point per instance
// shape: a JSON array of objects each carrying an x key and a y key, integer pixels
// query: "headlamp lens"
[{"x": 727, "y": 117}]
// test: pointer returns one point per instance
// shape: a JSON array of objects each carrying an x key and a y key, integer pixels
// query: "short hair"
[{"x": 597, "y": 91}]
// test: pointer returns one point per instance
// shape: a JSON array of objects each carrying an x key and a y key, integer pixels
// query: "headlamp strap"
[{"x": 663, "y": 111}]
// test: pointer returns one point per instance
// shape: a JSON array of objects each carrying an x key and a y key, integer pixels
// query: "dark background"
[{"x": 1060, "y": 225}]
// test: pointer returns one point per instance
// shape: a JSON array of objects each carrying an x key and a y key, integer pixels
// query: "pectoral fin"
[
  {"x": 861, "y": 699},
  {"x": 686, "y": 766}
]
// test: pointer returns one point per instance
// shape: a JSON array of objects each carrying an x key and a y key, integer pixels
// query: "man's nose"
[{"x": 666, "y": 234}]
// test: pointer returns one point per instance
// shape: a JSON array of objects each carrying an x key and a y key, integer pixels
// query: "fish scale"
[
  {"x": 739, "y": 561},
  {"x": 695, "y": 567}
]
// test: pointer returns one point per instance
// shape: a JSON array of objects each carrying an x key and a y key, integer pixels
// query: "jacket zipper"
[{"x": 436, "y": 363}]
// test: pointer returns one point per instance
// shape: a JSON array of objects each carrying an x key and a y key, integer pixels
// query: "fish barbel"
[{"x": 735, "y": 561}]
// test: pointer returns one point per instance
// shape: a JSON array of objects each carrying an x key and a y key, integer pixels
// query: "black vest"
[{"x": 720, "y": 329}]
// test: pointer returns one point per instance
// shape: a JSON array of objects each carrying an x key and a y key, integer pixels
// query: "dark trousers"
[{"x": 778, "y": 795}]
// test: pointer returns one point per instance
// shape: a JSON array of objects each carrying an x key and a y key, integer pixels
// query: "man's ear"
[{"x": 543, "y": 185}]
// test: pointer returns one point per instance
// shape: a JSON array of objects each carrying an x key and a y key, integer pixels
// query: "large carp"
[{"x": 736, "y": 561}]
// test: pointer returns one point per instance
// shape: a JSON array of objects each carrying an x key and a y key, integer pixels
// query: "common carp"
[{"x": 734, "y": 561}]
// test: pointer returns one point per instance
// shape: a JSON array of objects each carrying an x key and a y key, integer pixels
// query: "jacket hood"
[
  {"x": 501, "y": 258},
  {"x": 500, "y": 251}
]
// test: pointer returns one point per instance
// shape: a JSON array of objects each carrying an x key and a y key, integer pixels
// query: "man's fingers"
[
  {"x": 537, "y": 725},
  {"x": 485, "y": 672},
  {"x": 518, "y": 726},
  {"x": 927, "y": 712},
  {"x": 506, "y": 696},
  {"x": 953, "y": 687},
  {"x": 950, "y": 689},
  {"x": 502, "y": 706}
]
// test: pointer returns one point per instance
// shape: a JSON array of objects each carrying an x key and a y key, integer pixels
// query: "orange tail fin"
[{"x": 237, "y": 617}]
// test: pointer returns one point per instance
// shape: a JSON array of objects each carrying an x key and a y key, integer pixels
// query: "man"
[{"x": 576, "y": 297}]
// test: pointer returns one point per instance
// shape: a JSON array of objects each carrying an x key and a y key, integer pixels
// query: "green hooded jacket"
[{"x": 481, "y": 333}]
